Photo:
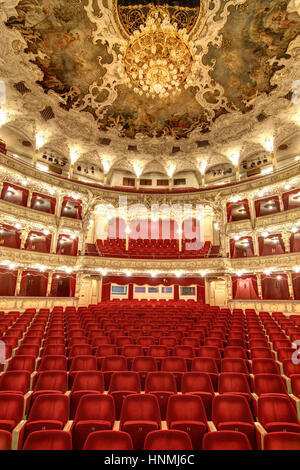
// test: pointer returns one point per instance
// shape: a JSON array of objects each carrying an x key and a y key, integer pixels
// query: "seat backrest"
[
  {"x": 114, "y": 363},
  {"x": 209, "y": 351},
  {"x": 16, "y": 381},
  {"x": 144, "y": 363},
  {"x": 204, "y": 364},
  {"x": 265, "y": 366},
  {"x": 226, "y": 440},
  {"x": 88, "y": 380},
  {"x": 269, "y": 383},
  {"x": 53, "y": 363},
  {"x": 5, "y": 440},
  {"x": 168, "y": 440},
  {"x": 48, "y": 440},
  {"x": 127, "y": 381},
  {"x": 52, "y": 380},
  {"x": 233, "y": 382},
  {"x": 158, "y": 351},
  {"x": 235, "y": 351},
  {"x": 83, "y": 363},
  {"x": 132, "y": 350},
  {"x": 231, "y": 408},
  {"x": 108, "y": 440},
  {"x": 234, "y": 364},
  {"x": 50, "y": 407},
  {"x": 276, "y": 409},
  {"x": 185, "y": 408},
  {"x": 11, "y": 407},
  {"x": 160, "y": 381},
  {"x": 93, "y": 407},
  {"x": 22, "y": 363},
  {"x": 106, "y": 350},
  {"x": 140, "y": 407},
  {"x": 196, "y": 382},
  {"x": 282, "y": 441},
  {"x": 174, "y": 364}
]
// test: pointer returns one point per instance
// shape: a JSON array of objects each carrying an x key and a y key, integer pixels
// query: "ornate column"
[
  {"x": 252, "y": 210},
  {"x": 229, "y": 287},
  {"x": 290, "y": 284},
  {"x": 137, "y": 183},
  {"x": 58, "y": 205},
  {"x": 54, "y": 239},
  {"x": 29, "y": 198},
  {"x": 237, "y": 173},
  {"x": 78, "y": 284},
  {"x": 18, "y": 284},
  {"x": 24, "y": 236},
  {"x": 280, "y": 202},
  {"x": 1, "y": 187},
  {"x": 255, "y": 244},
  {"x": 50, "y": 275},
  {"x": 170, "y": 183},
  {"x": 258, "y": 276},
  {"x": 286, "y": 240},
  {"x": 274, "y": 161}
]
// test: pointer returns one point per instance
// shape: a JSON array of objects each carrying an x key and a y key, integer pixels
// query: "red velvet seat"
[
  {"x": 226, "y": 440},
  {"x": 15, "y": 382},
  {"x": 140, "y": 415},
  {"x": 199, "y": 383},
  {"x": 22, "y": 363},
  {"x": 176, "y": 365},
  {"x": 277, "y": 413},
  {"x": 162, "y": 385},
  {"x": 186, "y": 413},
  {"x": 108, "y": 440},
  {"x": 206, "y": 364},
  {"x": 95, "y": 412},
  {"x": 11, "y": 410},
  {"x": 53, "y": 363},
  {"x": 121, "y": 385},
  {"x": 143, "y": 365},
  {"x": 168, "y": 440},
  {"x": 48, "y": 440},
  {"x": 49, "y": 411},
  {"x": 282, "y": 441},
  {"x": 5, "y": 440},
  {"x": 231, "y": 412},
  {"x": 85, "y": 382}
]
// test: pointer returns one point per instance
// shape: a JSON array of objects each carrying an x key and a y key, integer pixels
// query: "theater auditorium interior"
[{"x": 150, "y": 225}]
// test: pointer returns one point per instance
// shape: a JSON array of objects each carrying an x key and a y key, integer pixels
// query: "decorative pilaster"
[
  {"x": 58, "y": 205},
  {"x": 18, "y": 283},
  {"x": 258, "y": 276},
  {"x": 29, "y": 198},
  {"x": 290, "y": 284},
  {"x": 54, "y": 239},
  {"x": 255, "y": 244},
  {"x": 229, "y": 287},
  {"x": 50, "y": 275},
  {"x": 24, "y": 236},
  {"x": 286, "y": 241}
]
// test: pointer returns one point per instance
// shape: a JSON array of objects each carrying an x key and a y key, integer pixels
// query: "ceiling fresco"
[{"x": 77, "y": 45}]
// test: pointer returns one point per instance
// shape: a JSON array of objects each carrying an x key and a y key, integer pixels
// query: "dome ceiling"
[{"x": 236, "y": 48}]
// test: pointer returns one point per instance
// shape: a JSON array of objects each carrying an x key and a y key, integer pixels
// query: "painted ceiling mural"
[{"x": 235, "y": 47}]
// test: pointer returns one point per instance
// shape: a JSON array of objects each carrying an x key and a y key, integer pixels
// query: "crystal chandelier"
[{"x": 158, "y": 60}]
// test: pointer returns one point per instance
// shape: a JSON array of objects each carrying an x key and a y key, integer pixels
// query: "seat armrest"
[
  {"x": 288, "y": 383},
  {"x": 164, "y": 425},
  {"x": 26, "y": 402},
  {"x": 68, "y": 426},
  {"x": 254, "y": 396},
  {"x": 280, "y": 366},
  {"x": 211, "y": 426},
  {"x": 297, "y": 401},
  {"x": 17, "y": 435},
  {"x": 260, "y": 433},
  {"x": 31, "y": 379},
  {"x": 116, "y": 426},
  {"x": 68, "y": 393}
]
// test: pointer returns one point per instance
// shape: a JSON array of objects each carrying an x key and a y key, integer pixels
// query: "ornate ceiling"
[{"x": 68, "y": 54}]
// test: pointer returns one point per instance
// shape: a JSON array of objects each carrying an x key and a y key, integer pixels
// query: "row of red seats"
[
  {"x": 251, "y": 324},
  {"x": 140, "y": 414},
  {"x": 152, "y": 248}
]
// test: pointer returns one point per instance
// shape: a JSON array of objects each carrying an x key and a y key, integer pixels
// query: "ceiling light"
[
  {"x": 18, "y": 226},
  {"x": 265, "y": 234},
  {"x": 158, "y": 60},
  {"x": 294, "y": 230},
  {"x": 278, "y": 277},
  {"x": 4, "y": 118},
  {"x": 171, "y": 170},
  {"x": 138, "y": 169},
  {"x": 267, "y": 271},
  {"x": 105, "y": 165},
  {"x": 128, "y": 273},
  {"x": 287, "y": 186}
]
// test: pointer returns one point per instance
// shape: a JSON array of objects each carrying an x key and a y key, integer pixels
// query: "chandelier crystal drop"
[{"x": 158, "y": 60}]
